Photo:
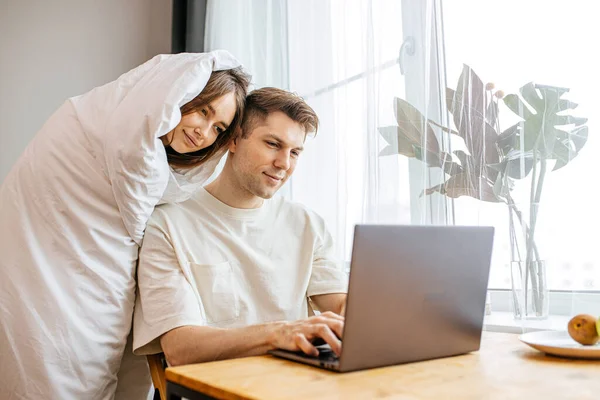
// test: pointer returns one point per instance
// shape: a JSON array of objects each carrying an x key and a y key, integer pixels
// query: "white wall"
[{"x": 52, "y": 50}]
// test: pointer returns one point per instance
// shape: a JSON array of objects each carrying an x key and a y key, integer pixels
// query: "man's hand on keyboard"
[{"x": 300, "y": 335}]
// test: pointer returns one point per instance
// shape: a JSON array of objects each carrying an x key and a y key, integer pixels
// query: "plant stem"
[
  {"x": 533, "y": 225},
  {"x": 533, "y": 264},
  {"x": 528, "y": 254},
  {"x": 514, "y": 244},
  {"x": 513, "y": 207}
]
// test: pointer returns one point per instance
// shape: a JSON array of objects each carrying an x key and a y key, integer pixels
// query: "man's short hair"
[{"x": 261, "y": 102}]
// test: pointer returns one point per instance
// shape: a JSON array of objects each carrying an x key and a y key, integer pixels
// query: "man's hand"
[{"x": 297, "y": 336}]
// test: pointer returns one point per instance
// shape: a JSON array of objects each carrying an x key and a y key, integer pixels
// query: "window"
[
  {"x": 345, "y": 59},
  {"x": 510, "y": 43}
]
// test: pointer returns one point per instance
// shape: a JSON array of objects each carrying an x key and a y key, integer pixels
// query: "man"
[{"x": 234, "y": 272}]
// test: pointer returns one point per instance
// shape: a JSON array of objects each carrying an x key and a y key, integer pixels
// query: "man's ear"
[{"x": 233, "y": 143}]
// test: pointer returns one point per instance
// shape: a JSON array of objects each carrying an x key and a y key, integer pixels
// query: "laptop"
[{"x": 415, "y": 293}]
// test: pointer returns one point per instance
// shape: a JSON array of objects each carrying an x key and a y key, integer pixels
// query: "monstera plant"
[{"x": 493, "y": 160}]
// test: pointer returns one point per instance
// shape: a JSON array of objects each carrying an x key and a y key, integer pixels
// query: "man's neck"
[{"x": 228, "y": 191}]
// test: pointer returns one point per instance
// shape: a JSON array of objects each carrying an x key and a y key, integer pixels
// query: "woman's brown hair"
[{"x": 220, "y": 83}]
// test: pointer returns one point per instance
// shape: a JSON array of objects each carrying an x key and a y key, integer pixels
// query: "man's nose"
[{"x": 283, "y": 160}]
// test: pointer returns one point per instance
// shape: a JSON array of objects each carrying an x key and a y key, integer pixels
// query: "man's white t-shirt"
[{"x": 204, "y": 263}]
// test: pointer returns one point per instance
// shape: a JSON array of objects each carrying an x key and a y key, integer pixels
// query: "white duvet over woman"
[{"x": 73, "y": 210}]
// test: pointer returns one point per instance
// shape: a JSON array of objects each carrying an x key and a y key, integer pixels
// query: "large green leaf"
[
  {"x": 452, "y": 168},
  {"x": 464, "y": 185},
  {"x": 531, "y": 96},
  {"x": 440, "y": 160},
  {"x": 413, "y": 126},
  {"x": 563, "y": 153},
  {"x": 397, "y": 143},
  {"x": 507, "y": 139},
  {"x": 414, "y": 137},
  {"x": 516, "y": 164},
  {"x": 514, "y": 103},
  {"x": 450, "y": 93},
  {"x": 468, "y": 108},
  {"x": 539, "y": 130},
  {"x": 473, "y": 167},
  {"x": 578, "y": 136},
  {"x": 428, "y": 157},
  {"x": 469, "y": 99},
  {"x": 568, "y": 146},
  {"x": 463, "y": 157},
  {"x": 519, "y": 164},
  {"x": 491, "y": 113}
]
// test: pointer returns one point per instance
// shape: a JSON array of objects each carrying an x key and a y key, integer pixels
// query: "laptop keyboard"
[{"x": 327, "y": 354}]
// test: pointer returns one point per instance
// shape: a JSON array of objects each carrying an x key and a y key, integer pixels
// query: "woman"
[{"x": 74, "y": 208}]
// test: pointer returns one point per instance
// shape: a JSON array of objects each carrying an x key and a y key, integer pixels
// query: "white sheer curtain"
[
  {"x": 343, "y": 61},
  {"x": 255, "y": 32}
]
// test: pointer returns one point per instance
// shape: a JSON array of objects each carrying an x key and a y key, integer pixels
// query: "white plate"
[{"x": 559, "y": 343}]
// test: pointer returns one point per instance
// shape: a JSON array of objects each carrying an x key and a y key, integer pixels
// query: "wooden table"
[{"x": 504, "y": 368}]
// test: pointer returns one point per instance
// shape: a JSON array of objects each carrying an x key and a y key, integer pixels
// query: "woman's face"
[{"x": 199, "y": 129}]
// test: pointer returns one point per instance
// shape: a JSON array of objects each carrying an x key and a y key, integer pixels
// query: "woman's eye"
[
  {"x": 219, "y": 130},
  {"x": 204, "y": 112}
]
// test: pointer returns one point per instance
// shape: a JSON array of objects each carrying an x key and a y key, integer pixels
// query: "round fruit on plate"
[{"x": 585, "y": 329}]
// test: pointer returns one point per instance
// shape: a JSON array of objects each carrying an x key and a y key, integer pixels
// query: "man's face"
[{"x": 265, "y": 160}]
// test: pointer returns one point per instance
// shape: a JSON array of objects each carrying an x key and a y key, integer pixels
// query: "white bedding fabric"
[{"x": 72, "y": 215}]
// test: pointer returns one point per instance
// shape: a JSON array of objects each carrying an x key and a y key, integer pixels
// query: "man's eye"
[
  {"x": 272, "y": 144},
  {"x": 204, "y": 112},
  {"x": 296, "y": 153}
]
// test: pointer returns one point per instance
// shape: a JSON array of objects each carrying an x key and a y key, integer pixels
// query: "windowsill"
[
  {"x": 563, "y": 306},
  {"x": 499, "y": 321}
]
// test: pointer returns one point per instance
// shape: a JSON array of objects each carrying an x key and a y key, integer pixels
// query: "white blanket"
[{"x": 72, "y": 215}]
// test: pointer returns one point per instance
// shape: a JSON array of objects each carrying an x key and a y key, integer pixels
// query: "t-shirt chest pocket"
[{"x": 218, "y": 294}]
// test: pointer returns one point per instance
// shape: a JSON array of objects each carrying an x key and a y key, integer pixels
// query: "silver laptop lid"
[{"x": 415, "y": 293}]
